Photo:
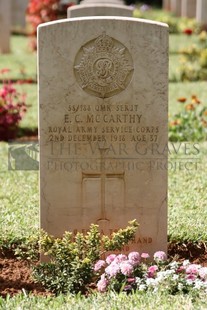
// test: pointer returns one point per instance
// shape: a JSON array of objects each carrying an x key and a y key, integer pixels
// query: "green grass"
[
  {"x": 149, "y": 301},
  {"x": 20, "y": 61},
  {"x": 19, "y": 204},
  {"x": 174, "y": 63},
  {"x": 187, "y": 193},
  {"x": 177, "y": 42}
]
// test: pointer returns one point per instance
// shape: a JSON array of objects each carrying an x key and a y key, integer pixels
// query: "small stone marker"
[
  {"x": 201, "y": 12},
  {"x": 103, "y": 127},
  {"x": 166, "y": 5},
  {"x": 5, "y": 26},
  {"x": 19, "y": 13},
  {"x": 98, "y": 9},
  {"x": 188, "y": 8},
  {"x": 176, "y": 7}
]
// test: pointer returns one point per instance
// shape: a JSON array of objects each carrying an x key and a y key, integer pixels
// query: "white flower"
[
  {"x": 151, "y": 282},
  {"x": 186, "y": 263},
  {"x": 175, "y": 277},
  {"x": 142, "y": 287},
  {"x": 180, "y": 286},
  {"x": 173, "y": 265},
  {"x": 138, "y": 280},
  {"x": 189, "y": 281},
  {"x": 198, "y": 284}
]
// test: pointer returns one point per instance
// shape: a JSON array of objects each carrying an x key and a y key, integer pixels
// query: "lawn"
[
  {"x": 19, "y": 197},
  {"x": 160, "y": 301},
  {"x": 21, "y": 61}
]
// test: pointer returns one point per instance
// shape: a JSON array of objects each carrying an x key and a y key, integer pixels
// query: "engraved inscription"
[{"x": 103, "y": 67}]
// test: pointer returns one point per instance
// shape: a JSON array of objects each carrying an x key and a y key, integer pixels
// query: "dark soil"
[{"x": 16, "y": 275}]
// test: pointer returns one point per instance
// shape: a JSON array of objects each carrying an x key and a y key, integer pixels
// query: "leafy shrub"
[
  {"x": 130, "y": 273},
  {"x": 176, "y": 25},
  {"x": 28, "y": 248},
  {"x": 12, "y": 109},
  {"x": 71, "y": 258},
  {"x": 191, "y": 123},
  {"x": 193, "y": 63}
]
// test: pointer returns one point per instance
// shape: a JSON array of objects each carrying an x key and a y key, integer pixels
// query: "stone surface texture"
[
  {"x": 103, "y": 92},
  {"x": 176, "y": 7},
  {"x": 99, "y": 9},
  {"x": 188, "y": 8},
  {"x": 19, "y": 13},
  {"x": 118, "y": 2},
  {"x": 5, "y": 25},
  {"x": 201, "y": 12},
  {"x": 166, "y": 5}
]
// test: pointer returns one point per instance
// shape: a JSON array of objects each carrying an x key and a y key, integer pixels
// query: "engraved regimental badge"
[{"x": 103, "y": 67}]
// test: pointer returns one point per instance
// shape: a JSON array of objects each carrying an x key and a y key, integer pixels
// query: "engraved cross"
[{"x": 103, "y": 175}]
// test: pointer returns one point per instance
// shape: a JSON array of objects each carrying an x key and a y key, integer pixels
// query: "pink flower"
[
  {"x": 131, "y": 280},
  {"x": 191, "y": 277},
  {"x": 102, "y": 284},
  {"x": 126, "y": 268},
  {"x": 120, "y": 258},
  {"x": 127, "y": 287},
  {"x": 153, "y": 268},
  {"x": 3, "y": 92},
  {"x": 5, "y": 70},
  {"x": 145, "y": 255},
  {"x": 99, "y": 264},
  {"x": 192, "y": 269},
  {"x": 203, "y": 273},
  {"x": 134, "y": 258},
  {"x": 151, "y": 271},
  {"x": 110, "y": 258},
  {"x": 112, "y": 269},
  {"x": 180, "y": 269},
  {"x": 160, "y": 256}
]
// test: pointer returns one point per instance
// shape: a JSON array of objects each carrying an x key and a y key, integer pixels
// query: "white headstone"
[
  {"x": 103, "y": 127},
  {"x": 188, "y": 8},
  {"x": 201, "y": 12},
  {"x": 166, "y": 5},
  {"x": 118, "y": 2},
  {"x": 5, "y": 25},
  {"x": 176, "y": 7},
  {"x": 99, "y": 10},
  {"x": 19, "y": 13}
]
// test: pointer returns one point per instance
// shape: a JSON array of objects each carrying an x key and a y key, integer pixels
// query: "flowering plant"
[
  {"x": 188, "y": 31},
  {"x": 132, "y": 272},
  {"x": 72, "y": 258},
  {"x": 190, "y": 124},
  {"x": 12, "y": 109},
  {"x": 40, "y": 11},
  {"x": 193, "y": 62}
]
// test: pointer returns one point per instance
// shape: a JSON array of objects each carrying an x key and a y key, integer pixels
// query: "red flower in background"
[
  {"x": 41, "y": 11},
  {"x": 12, "y": 108},
  {"x": 188, "y": 31}
]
